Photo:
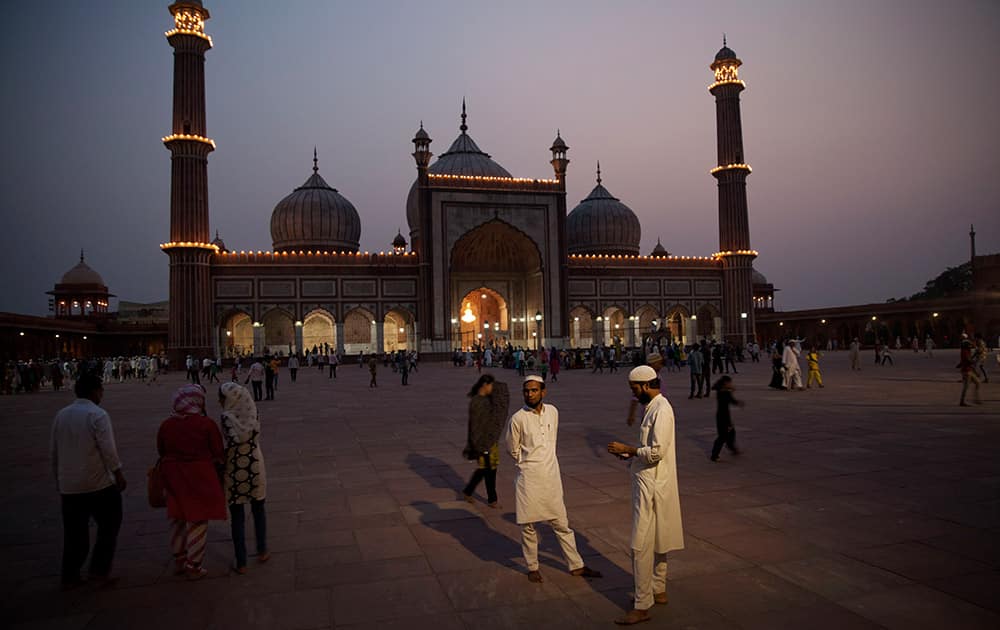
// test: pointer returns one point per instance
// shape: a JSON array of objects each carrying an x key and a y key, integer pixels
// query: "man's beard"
[
  {"x": 644, "y": 398},
  {"x": 533, "y": 405}
]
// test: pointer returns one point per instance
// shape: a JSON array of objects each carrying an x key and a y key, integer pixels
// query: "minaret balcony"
[{"x": 731, "y": 167}]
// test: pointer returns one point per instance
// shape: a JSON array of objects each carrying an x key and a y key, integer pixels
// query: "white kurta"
[
  {"x": 530, "y": 439},
  {"x": 655, "y": 499}
]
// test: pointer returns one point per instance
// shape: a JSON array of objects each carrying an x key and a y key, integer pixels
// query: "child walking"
[
  {"x": 812, "y": 358},
  {"x": 723, "y": 421}
]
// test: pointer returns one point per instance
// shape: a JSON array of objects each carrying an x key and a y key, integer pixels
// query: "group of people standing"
[
  {"x": 529, "y": 438},
  {"x": 209, "y": 470}
]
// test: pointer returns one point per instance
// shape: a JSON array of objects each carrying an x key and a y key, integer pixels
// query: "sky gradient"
[{"x": 871, "y": 126}]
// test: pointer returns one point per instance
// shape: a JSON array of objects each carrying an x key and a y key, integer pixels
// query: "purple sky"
[{"x": 872, "y": 127}]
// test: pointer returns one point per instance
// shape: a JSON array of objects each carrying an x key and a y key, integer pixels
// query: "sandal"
[
  {"x": 263, "y": 557},
  {"x": 196, "y": 573}
]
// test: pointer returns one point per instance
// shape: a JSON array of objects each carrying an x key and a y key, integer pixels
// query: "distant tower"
[
  {"x": 731, "y": 173},
  {"x": 422, "y": 244},
  {"x": 190, "y": 328},
  {"x": 559, "y": 163},
  {"x": 559, "y": 160}
]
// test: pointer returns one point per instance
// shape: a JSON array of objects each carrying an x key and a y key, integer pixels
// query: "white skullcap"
[
  {"x": 642, "y": 374},
  {"x": 533, "y": 377}
]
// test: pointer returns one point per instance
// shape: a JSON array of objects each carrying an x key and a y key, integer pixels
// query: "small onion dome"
[
  {"x": 601, "y": 224},
  {"x": 399, "y": 241},
  {"x": 463, "y": 157},
  {"x": 558, "y": 145},
  {"x": 421, "y": 133},
  {"x": 82, "y": 274},
  {"x": 315, "y": 217},
  {"x": 218, "y": 242},
  {"x": 725, "y": 53},
  {"x": 659, "y": 250},
  {"x": 757, "y": 277}
]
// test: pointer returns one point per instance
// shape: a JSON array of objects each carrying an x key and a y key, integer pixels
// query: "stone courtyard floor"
[{"x": 874, "y": 502}]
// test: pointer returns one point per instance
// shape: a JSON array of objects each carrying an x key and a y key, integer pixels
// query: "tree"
[{"x": 952, "y": 281}]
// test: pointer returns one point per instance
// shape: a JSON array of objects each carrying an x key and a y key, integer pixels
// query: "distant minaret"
[
  {"x": 731, "y": 173},
  {"x": 190, "y": 327}
]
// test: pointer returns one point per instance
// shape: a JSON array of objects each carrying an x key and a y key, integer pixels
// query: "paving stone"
[
  {"x": 388, "y": 600},
  {"x": 836, "y": 577},
  {"x": 919, "y": 607},
  {"x": 917, "y": 561}
]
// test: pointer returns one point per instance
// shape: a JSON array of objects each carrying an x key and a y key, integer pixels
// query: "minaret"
[
  {"x": 190, "y": 328},
  {"x": 731, "y": 173},
  {"x": 423, "y": 243},
  {"x": 559, "y": 163}
]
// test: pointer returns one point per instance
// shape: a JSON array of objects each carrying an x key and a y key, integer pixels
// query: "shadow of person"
[{"x": 437, "y": 473}]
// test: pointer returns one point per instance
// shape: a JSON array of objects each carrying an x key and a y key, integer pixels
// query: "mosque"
[{"x": 490, "y": 256}]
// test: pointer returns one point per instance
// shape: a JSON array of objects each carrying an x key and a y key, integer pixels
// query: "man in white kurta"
[
  {"x": 656, "y": 507},
  {"x": 530, "y": 439},
  {"x": 790, "y": 361}
]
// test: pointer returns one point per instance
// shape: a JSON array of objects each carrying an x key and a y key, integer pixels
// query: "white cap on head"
[
  {"x": 642, "y": 374},
  {"x": 534, "y": 377}
]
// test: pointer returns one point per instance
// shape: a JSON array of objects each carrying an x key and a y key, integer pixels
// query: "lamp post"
[
  {"x": 743, "y": 326},
  {"x": 538, "y": 327}
]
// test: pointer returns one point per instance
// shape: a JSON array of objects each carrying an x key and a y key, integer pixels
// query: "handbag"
[{"x": 155, "y": 490}]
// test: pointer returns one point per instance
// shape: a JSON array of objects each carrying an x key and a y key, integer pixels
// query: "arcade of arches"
[
  {"x": 279, "y": 334},
  {"x": 615, "y": 327}
]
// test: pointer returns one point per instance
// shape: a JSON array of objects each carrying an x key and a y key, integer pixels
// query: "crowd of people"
[{"x": 33, "y": 375}]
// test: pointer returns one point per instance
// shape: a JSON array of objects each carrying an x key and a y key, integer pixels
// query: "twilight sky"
[{"x": 872, "y": 127}]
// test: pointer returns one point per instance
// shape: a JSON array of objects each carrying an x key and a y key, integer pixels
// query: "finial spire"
[
  {"x": 463, "y": 127},
  {"x": 216, "y": 234},
  {"x": 81, "y": 254},
  {"x": 598, "y": 172},
  {"x": 723, "y": 40},
  {"x": 421, "y": 124},
  {"x": 315, "y": 161}
]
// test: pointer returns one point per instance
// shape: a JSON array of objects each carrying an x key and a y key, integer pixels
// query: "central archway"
[
  {"x": 484, "y": 319},
  {"x": 496, "y": 275}
]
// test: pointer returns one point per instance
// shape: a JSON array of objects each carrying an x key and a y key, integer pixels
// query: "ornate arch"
[{"x": 495, "y": 246}]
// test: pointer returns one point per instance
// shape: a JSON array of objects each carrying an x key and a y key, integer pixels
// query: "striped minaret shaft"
[
  {"x": 734, "y": 227},
  {"x": 190, "y": 329}
]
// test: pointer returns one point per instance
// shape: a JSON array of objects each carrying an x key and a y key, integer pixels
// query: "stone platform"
[{"x": 874, "y": 502}]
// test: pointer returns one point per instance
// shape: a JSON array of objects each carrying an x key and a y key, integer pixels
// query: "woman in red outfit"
[
  {"x": 554, "y": 364},
  {"x": 190, "y": 447}
]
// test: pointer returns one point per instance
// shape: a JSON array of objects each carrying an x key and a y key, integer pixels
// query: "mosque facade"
[{"x": 490, "y": 256}]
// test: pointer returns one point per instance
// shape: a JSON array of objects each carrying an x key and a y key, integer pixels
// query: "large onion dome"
[
  {"x": 463, "y": 157},
  {"x": 601, "y": 224},
  {"x": 315, "y": 217},
  {"x": 82, "y": 275}
]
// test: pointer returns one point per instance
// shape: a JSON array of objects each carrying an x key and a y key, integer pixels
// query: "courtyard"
[{"x": 874, "y": 502}]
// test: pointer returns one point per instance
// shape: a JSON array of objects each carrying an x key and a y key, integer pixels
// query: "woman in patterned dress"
[{"x": 244, "y": 479}]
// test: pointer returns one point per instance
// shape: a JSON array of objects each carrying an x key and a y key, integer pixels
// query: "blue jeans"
[{"x": 238, "y": 525}]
